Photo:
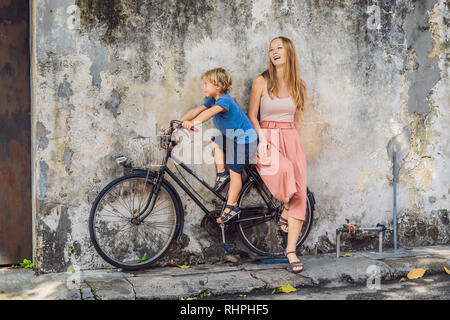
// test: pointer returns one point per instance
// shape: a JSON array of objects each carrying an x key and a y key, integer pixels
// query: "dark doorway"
[{"x": 15, "y": 133}]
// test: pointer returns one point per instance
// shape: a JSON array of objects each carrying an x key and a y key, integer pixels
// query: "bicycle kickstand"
[
  {"x": 226, "y": 246},
  {"x": 231, "y": 255}
]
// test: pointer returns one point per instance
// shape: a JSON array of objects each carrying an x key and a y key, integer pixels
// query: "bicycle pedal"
[{"x": 228, "y": 248}]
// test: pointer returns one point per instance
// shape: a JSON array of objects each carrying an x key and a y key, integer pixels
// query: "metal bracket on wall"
[{"x": 353, "y": 229}]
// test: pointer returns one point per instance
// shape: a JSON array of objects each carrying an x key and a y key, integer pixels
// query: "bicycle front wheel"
[
  {"x": 263, "y": 235},
  {"x": 115, "y": 231}
]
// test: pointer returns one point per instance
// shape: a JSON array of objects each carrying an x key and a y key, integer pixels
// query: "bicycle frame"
[{"x": 165, "y": 169}]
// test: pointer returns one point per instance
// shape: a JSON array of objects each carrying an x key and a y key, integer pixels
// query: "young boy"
[{"x": 238, "y": 141}]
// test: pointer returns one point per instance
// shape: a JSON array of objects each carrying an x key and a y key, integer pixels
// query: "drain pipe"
[
  {"x": 397, "y": 149},
  {"x": 395, "y": 200}
]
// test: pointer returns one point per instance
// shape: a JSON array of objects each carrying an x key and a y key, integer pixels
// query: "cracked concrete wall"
[{"x": 107, "y": 76}]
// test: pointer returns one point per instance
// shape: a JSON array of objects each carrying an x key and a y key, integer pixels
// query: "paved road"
[{"x": 433, "y": 287}]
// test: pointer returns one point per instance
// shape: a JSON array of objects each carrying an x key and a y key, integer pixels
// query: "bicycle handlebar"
[{"x": 180, "y": 123}]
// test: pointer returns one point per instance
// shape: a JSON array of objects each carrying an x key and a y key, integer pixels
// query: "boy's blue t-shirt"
[{"x": 234, "y": 119}]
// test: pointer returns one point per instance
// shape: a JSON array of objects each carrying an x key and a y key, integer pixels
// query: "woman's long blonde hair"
[{"x": 292, "y": 75}]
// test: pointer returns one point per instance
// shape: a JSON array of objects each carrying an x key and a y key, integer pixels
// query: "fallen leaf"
[
  {"x": 180, "y": 266},
  {"x": 232, "y": 259},
  {"x": 1, "y": 291},
  {"x": 284, "y": 289},
  {"x": 132, "y": 275},
  {"x": 408, "y": 248},
  {"x": 416, "y": 273},
  {"x": 434, "y": 252},
  {"x": 188, "y": 298},
  {"x": 402, "y": 279},
  {"x": 447, "y": 270},
  {"x": 347, "y": 255}
]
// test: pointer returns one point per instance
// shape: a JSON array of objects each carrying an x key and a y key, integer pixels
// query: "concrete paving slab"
[
  {"x": 281, "y": 278},
  {"x": 327, "y": 270},
  {"x": 401, "y": 266},
  {"x": 22, "y": 284},
  {"x": 168, "y": 287},
  {"x": 264, "y": 266},
  {"x": 111, "y": 289},
  {"x": 442, "y": 251}
]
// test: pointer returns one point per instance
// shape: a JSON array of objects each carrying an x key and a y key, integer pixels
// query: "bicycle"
[{"x": 141, "y": 232}]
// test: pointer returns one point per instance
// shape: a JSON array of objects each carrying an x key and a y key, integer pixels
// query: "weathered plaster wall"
[{"x": 109, "y": 75}]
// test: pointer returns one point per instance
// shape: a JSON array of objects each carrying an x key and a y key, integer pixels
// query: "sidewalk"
[{"x": 219, "y": 279}]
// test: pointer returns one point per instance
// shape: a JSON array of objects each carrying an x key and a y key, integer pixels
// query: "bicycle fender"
[
  {"x": 250, "y": 180},
  {"x": 154, "y": 174},
  {"x": 312, "y": 199}
]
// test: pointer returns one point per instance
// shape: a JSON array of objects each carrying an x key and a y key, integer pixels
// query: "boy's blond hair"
[{"x": 219, "y": 77}]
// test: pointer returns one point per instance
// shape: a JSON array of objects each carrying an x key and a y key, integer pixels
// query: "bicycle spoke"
[
  {"x": 263, "y": 235},
  {"x": 159, "y": 204},
  {"x": 143, "y": 193},
  {"x": 139, "y": 232},
  {"x": 114, "y": 211},
  {"x": 122, "y": 203},
  {"x": 259, "y": 233},
  {"x": 132, "y": 199},
  {"x": 106, "y": 215},
  {"x": 116, "y": 215},
  {"x": 158, "y": 228},
  {"x": 120, "y": 200}
]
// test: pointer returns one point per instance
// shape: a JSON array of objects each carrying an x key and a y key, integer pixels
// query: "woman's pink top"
[{"x": 278, "y": 109}]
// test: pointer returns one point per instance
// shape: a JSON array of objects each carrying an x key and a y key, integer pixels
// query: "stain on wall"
[{"x": 425, "y": 73}]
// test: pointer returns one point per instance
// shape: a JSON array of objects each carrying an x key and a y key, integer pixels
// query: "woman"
[{"x": 279, "y": 94}]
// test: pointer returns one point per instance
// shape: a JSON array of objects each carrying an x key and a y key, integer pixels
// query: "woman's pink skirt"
[{"x": 283, "y": 167}]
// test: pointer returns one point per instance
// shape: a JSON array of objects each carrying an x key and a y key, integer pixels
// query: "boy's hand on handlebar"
[{"x": 188, "y": 125}]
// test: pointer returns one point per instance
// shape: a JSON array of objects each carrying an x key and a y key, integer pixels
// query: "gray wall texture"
[{"x": 107, "y": 76}]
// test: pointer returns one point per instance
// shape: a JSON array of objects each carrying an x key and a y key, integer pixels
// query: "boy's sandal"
[
  {"x": 221, "y": 179},
  {"x": 292, "y": 265},
  {"x": 234, "y": 211},
  {"x": 283, "y": 222}
]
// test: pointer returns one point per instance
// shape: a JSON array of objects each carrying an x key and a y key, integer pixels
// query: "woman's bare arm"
[
  {"x": 298, "y": 121},
  {"x": 298, "y": 114},
  {"x": 255, "y": 99}
]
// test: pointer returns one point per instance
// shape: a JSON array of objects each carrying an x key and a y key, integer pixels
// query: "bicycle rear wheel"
[
  {"x": 117, "y": 235},
  {"x": 263, "y": 235}
]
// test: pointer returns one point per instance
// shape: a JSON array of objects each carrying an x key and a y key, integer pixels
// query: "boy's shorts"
[{"x": 237, "y": 155}]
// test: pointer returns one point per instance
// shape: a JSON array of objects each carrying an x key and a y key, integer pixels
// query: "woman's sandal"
[
  {"x": 292, "y": 265},
  {"x": 283, "y": 222},
  {"x": 234, "y": 211},
  {"x": 221, "y": 179}
]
